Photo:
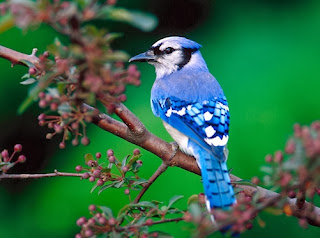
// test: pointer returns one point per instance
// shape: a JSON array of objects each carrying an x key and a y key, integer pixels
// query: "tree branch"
[
  {"x": 27, "y": 176},
  {"x": 162, "y": 168},
  {"x": 16, "y": 57},
  {"x": 132, "y": 130}
]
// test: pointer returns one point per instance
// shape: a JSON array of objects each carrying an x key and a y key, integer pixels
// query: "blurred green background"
[{"x": 266, "y": 56}]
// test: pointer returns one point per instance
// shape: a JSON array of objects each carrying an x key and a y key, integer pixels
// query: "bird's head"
[{"x": 171, "y": 54}]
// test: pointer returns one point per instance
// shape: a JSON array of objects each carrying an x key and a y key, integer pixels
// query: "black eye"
[{"x": 169, "y": 50}]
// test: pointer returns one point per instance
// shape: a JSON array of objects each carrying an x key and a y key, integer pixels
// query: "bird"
[{"x": 194, "y": 111}]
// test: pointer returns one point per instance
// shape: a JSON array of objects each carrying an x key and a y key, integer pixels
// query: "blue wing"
[{"x": 206, "y": 124}]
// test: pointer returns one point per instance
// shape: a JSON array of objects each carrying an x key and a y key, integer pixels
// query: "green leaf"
[
  {"x": 266, "y": 169},
  {"x": 195, "y": 209},
  {"x": 124, "y": 161},
  {"x": 64, "y": 108},
  {"x": 6, "y": 22},
  {"x": 174, "y": 211},
  {"x": 140, "y": 181},
  {"x": 33, "y": 92},
  {"x": 117, "y": 56},
  {"x": 134, "y": 159},
  {"x": 93, "y": 188},
  {"x": 88, "y": 157},
  {"x": 156, "y": 202},
  {"x": 112, "y": 36},
  {"x": 7, "y": 164},
  {"x": 267, "y": 180},
  {"x": 118, "y": 184},
  {"x": 110, "y": 166},
  {"x": 146, "y": 204},
  {"x": 193, "y": 199},
  {"x": 237, "y": 190},
  {"x": 153, "y": 213},
  {"x": 31, "y": 98},
  {"x": 27, "y": 63},
  {"x": 106, "y": 170},
  {"x": 106, "y": 187},
  {"x": 261, "y": 222},
  {"x": 164, "y": 208},
  {"x": 28, "y": 81},
  {"x": 4, "y": 164},
  {"x": 140, "y": 20},
  {"x": 25, "y": 76},
  {"x": 245, "y": 183},
  {"x": 107, "y": 211},
  {"x": 25, "y": 104},
  {"x": 61, "y": 86},
  {"x": 274, "y": 210},
  {"x": 174, "y": 199},
  {"x": 141, "y": 221},
  {"x": 54, "y": 92},
  {"x": 116, "y": 234},
  {"x": 123, "y": 209}
]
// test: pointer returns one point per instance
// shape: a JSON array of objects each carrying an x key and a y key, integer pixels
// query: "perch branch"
[{"x": 132, "y": 130}]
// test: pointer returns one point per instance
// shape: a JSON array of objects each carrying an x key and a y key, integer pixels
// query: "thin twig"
[
  {"x": 120, "y": 229},
  {"x": 35, "y": 176},
  {"x": 162, "y": 168}
]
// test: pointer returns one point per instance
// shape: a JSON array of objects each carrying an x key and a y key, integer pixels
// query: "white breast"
[{"x": 180, "y": 138}]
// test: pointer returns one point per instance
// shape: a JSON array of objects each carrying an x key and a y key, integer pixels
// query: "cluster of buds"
[
  {"x": 138, "y": 216},
  {"x": 244, "y": 211},
  {"x": 103, "y": 221},
  {"x": 234, "y": 221},
  {"x": 67, "y": 124},
  {"x": 111, "y": 83},
  {"x": 86, "y": 71},
  {"x": 97, "y": 172},
  {"x": 7, "y": 161},
  {"x": 296, "y": 169},
  {"x": 61, "y": 11},
  {"x": 100, "y": 222},
  {"x": 310, "y": 138}
]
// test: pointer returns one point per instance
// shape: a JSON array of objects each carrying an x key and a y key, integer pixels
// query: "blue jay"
[{"x": 194, "y": 111}]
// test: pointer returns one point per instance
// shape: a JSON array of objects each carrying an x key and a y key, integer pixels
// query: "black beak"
[{"x": 143, "y": 57}]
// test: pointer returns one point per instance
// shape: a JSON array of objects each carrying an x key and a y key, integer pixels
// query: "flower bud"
[
  {"x": 21, "y": 159},
  {"x": 136, "y": 152},
  {"x": 81, "y": 221},
  {"x": 78, "y": 168},
  {"x": 110, "y": 153}
]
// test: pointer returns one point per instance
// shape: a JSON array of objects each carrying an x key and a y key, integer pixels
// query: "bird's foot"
[{"x": 175, "y": 148}]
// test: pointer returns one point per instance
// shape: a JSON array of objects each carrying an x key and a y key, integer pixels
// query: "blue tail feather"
[{"x": 216, "y": 180}]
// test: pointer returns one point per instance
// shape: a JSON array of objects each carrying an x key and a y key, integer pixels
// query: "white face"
[
  {"x": 172, "y": 54},
  {"x": 169, "y": 57}
]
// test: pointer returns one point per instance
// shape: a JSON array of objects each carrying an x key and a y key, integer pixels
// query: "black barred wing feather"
[{"x": 209, "y": 119}]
